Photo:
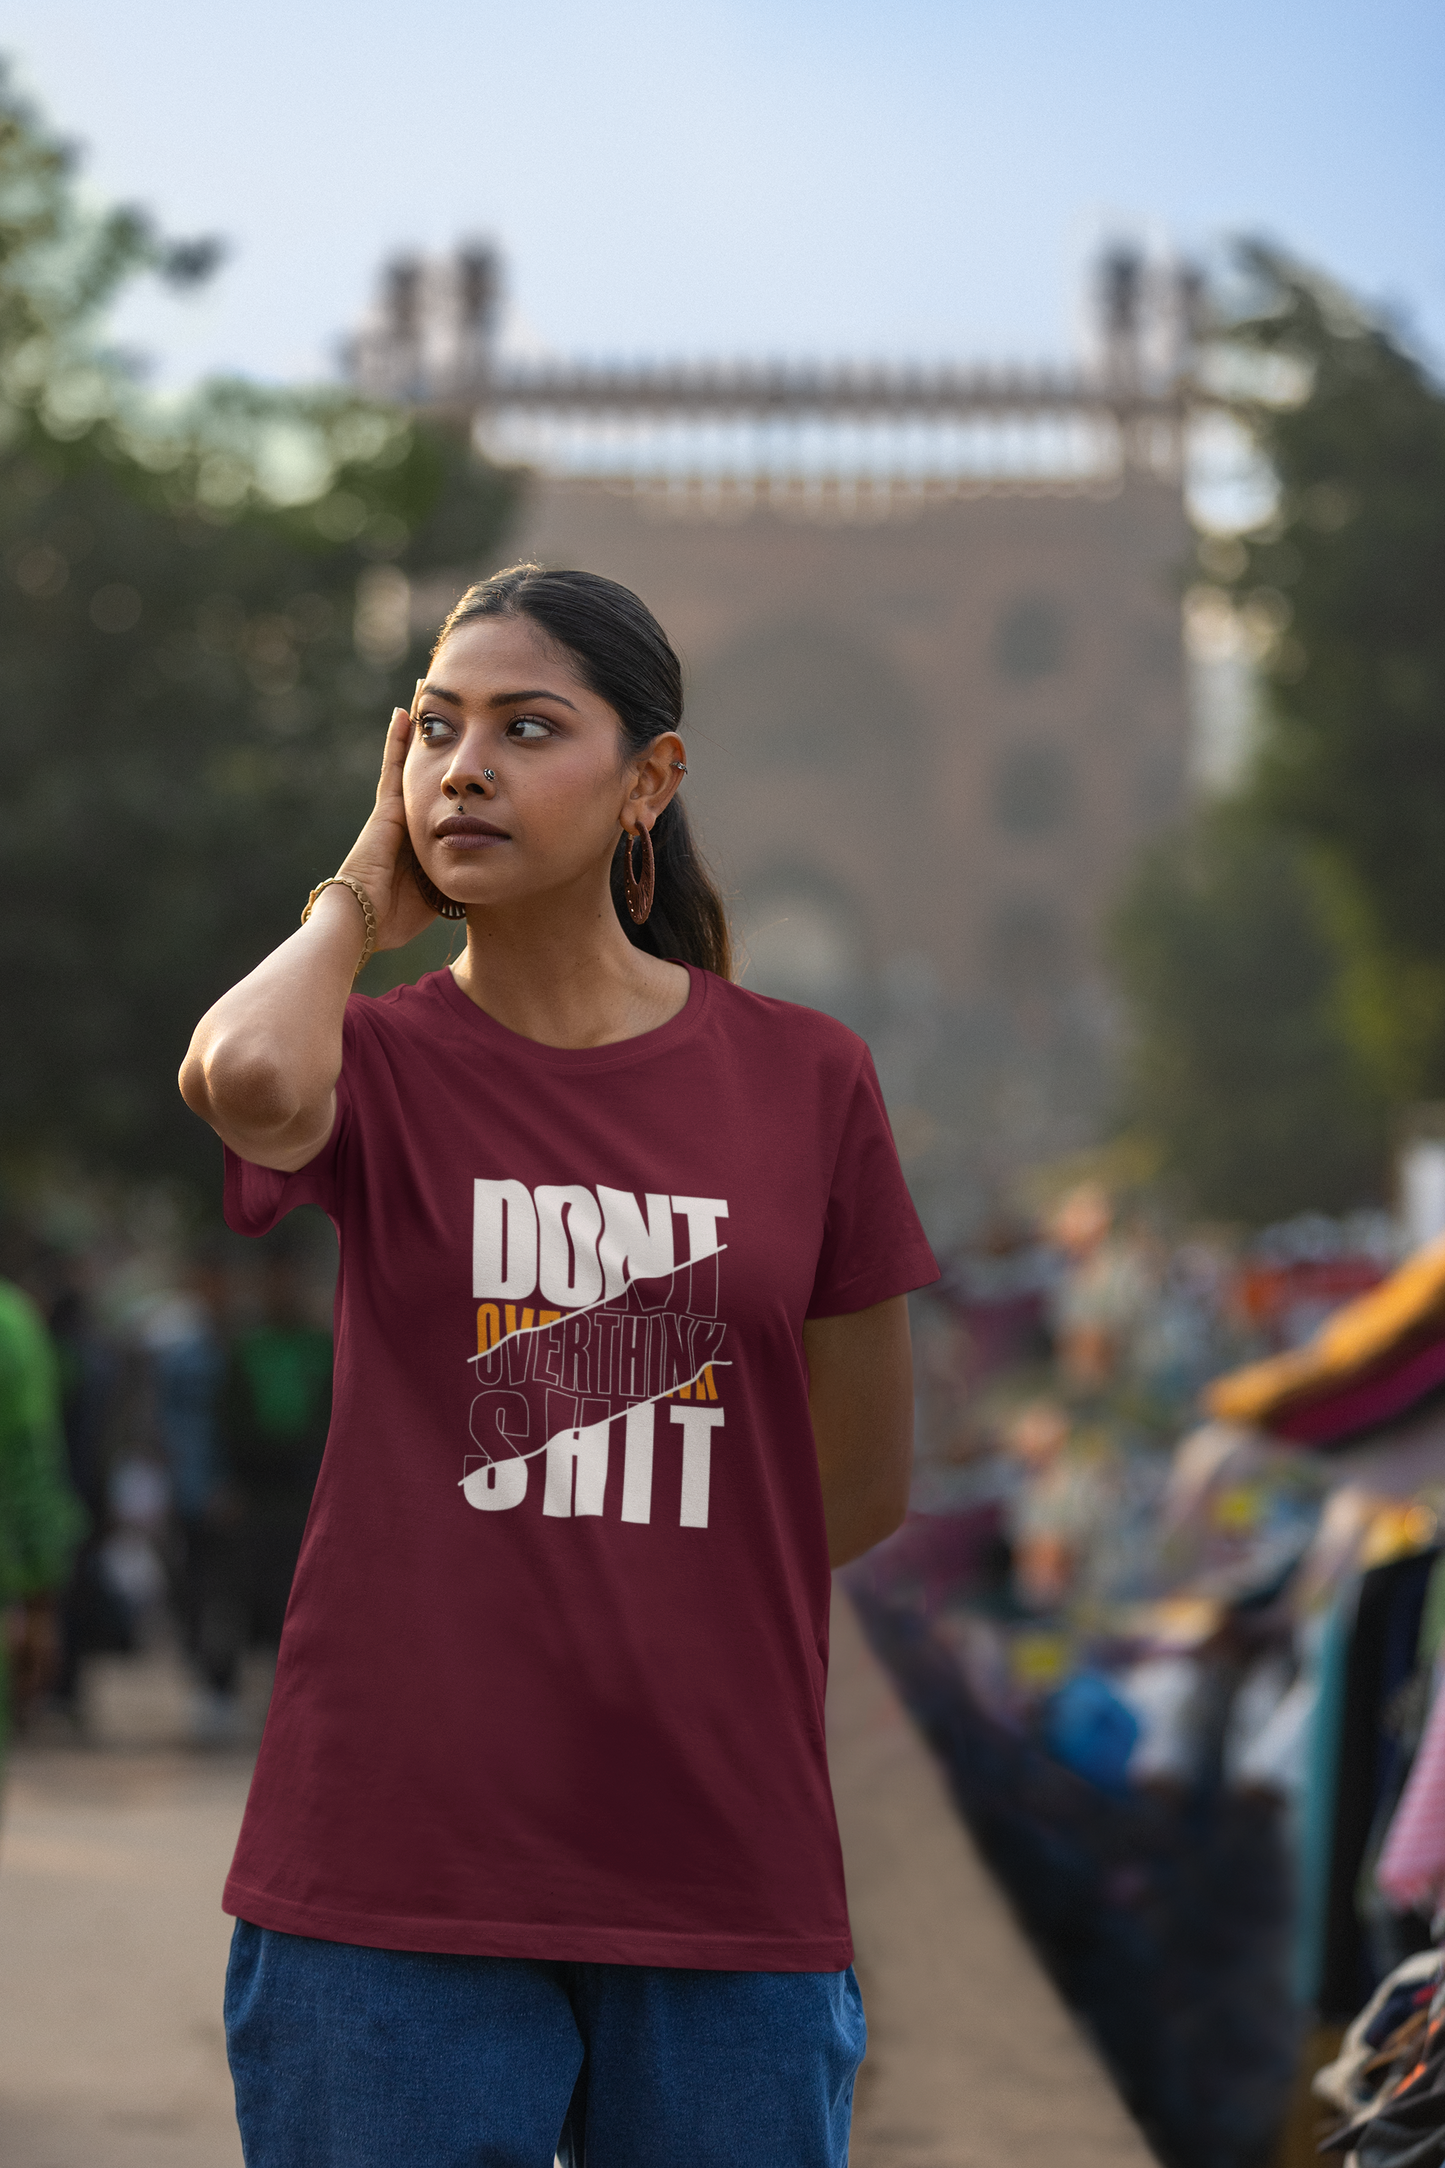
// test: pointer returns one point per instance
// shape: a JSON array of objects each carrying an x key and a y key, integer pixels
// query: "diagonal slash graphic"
[
  {"x": 485, "y": 1354},
  {"x": 651, "y": 1402}
]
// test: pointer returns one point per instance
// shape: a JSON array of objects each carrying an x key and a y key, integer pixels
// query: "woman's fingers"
[
  {"x": 393, "y": 758},
  {"x": 381, "y": 854}
]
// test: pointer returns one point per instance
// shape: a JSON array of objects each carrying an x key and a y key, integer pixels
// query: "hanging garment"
[
  {"x": 1328, "y": 1661},
  {"x": 1381, "y": 1658},
  {"x": 1412, "y": 1865},
  {"x": 1432, "y": 1625}
]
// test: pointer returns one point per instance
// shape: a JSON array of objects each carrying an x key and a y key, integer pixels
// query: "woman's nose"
[{"x": 457, "y": 785}]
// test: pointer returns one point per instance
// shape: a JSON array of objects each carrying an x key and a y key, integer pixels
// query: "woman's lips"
[{"x": 465, "y": 832}]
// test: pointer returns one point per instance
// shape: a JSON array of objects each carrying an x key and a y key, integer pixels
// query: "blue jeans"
[{"x": 355, "y": 2058}]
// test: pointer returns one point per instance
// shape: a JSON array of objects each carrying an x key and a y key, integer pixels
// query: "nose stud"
[{"x": 490, "y": 774}]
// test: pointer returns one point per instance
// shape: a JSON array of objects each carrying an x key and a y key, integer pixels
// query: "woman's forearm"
[
  {"x": 263, "y": 1061},
  {"x": 860, "y": 1391}
]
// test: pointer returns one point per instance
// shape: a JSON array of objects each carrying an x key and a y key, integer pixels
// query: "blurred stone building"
[{"x": 931, "y": 625}]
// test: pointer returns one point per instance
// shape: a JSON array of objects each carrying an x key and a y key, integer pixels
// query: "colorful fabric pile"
[
  {"x": 1189, "y": 1694},
  {"x": 1387, "y": 2085},
  {"x": 1375, "y": 1360}
]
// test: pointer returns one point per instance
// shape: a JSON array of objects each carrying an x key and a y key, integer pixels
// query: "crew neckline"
[{"x": 617, "y": 1053}]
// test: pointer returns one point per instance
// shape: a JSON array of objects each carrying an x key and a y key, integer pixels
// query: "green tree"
[
  {"x": 1283, "y": 962},
  {"x": 204, "y": 624},
  {"x": 1348, "y": 581},
  {"x": 1242, "y": 1068}
]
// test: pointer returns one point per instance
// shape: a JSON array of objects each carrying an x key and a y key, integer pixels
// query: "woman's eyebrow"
[
  {"x": 536, "y": 692},
  {"x": 500, "y": 700}
]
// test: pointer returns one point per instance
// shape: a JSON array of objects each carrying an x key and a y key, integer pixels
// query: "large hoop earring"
[
  {"x": 432, "y": 897},
  {"x": 639, "y": 888}
]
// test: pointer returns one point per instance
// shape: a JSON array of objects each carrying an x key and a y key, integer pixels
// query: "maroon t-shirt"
[{"x": 551, "y": 1681}]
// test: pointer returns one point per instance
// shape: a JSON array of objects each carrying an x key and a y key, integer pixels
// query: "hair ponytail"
[{"x": 626, "y": 658}]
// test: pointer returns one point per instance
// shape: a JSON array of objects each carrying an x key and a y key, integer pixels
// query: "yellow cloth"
[{"x": 1356, "y": 1340}]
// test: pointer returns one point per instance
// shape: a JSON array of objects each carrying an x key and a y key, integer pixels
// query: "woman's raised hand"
[
  {"x": 381, "y": 856},
  {"x": 264, "y": 1059}
]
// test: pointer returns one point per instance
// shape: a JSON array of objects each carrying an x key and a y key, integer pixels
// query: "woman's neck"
[{"x": 563, "y": 982}]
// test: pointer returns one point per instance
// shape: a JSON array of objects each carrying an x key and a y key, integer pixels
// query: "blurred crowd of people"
[{"x": 164, "y": 1404}]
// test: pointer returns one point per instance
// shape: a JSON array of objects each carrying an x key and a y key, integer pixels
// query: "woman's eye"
[
  {"x": 529, "y": 727},
  {"x": 431, "y": 727}
]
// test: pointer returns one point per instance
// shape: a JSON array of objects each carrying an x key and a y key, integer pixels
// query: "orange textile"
[{"x": 1363, "y": 1336}]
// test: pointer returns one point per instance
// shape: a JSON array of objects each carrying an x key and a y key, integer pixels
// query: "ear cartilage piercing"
[{"x": 681, "y": 766}]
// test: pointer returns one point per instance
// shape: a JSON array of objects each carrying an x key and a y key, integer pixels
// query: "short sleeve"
[
  {"x": 873, "y": 1244},
  {"x": 256, "y": 1198}
]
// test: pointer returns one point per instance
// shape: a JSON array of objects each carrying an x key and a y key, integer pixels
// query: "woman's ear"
[{"x": 657, "y": 771}]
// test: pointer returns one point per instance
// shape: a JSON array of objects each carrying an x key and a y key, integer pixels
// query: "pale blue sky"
[{"x": 759, "y": 176}]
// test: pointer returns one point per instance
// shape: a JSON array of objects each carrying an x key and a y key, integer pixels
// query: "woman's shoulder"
[
  {"x": 785, "y": 1030},
  {"x": 418, "y": 1011},
  {"x": 410, "y": 1003}
]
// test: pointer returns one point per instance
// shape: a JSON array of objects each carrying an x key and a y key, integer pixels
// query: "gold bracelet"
[{"x": 344, "y": 880}]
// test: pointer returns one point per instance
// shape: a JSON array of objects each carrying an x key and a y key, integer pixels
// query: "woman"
[{"x": 540, "y": 1839}]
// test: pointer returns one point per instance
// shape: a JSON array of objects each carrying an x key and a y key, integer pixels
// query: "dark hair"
[{"x": 626, "y": 658}]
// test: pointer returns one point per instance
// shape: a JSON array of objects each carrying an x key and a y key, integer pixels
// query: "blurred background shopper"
[
  {"x": 40, "y": 1517},
  {"x": 624, "y": 1253}
]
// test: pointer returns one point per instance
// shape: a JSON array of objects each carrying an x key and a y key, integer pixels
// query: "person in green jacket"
[{"x": 41, "y": 1519}]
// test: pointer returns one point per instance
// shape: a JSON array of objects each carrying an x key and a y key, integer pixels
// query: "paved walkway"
[
  {"x": 973, "y": 2062},
  {"x": 112, "y": 1950}
]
